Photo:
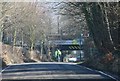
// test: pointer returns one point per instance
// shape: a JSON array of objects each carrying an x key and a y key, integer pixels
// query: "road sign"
[{"x": 69, "y": 47}]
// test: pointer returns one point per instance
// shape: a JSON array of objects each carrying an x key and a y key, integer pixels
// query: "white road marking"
[
  {"x": 57, "y": 76},
  {"x": 107, "y": 75},
  {"x": 99, "y": 72},
  {"x": 63, "y": 63},
  {"x": 5, "y": 68},
  {"x": 44, "y": 63},
  {"x": 85, "y": 67}
]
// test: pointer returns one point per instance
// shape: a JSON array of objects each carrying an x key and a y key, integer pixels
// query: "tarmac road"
[{"x": 51, "y": 71}]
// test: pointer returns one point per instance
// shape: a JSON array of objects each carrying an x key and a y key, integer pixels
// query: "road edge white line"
[
  {"x": 5, "y": 69},
  {"x": 107, "y": 75},
  {"x": 98, "y": 72}
]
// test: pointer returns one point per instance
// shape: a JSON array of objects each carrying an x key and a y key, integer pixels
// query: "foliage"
[
  {"x": 24, "y": 23},
  {"x": 99, "y": 22},
  {"x": 72, "y": 20}
]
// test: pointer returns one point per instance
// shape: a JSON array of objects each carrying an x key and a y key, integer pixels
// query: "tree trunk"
[
  {"x": 41, "y": 50},
  {"x": 14, "y": 37},
  {"x": 108, "y": 25},
  {"x": 97, "y": 21},
  {"x": 1, "y": 34},
  {"x": 32, "y": 37}
]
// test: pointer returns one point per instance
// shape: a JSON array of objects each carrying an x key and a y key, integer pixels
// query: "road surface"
[{"x": 50, "y": 71}]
